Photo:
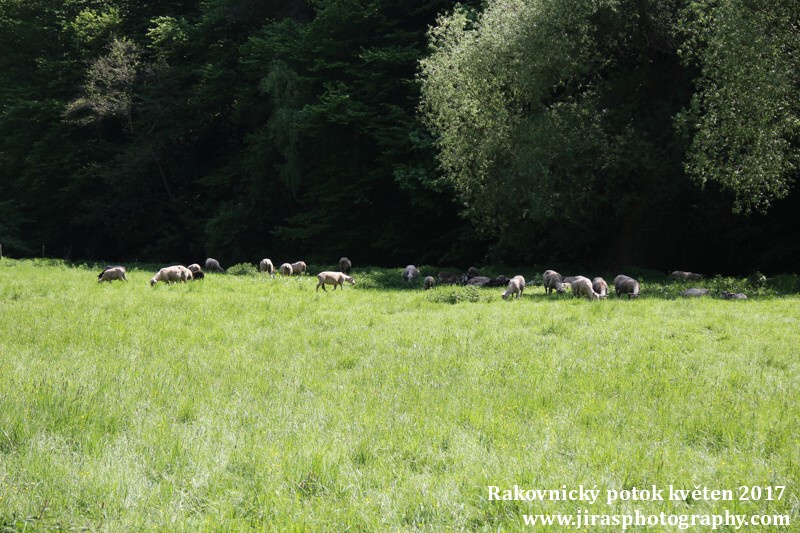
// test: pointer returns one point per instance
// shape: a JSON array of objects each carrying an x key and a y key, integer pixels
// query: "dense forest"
[{"x": 657, "y": 133}]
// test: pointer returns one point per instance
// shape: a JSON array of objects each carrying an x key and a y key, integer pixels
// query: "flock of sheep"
[{"x": 594, "y": 289}]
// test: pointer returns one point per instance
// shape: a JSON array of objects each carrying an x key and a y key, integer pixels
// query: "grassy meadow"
[{"x": 245, "y": 402}]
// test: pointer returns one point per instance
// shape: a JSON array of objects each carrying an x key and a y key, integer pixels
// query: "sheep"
[
  {"x": 298, "y": 268},
  {"x": 213, "y": 265},
  {"x": 600, "y": 286},
  {"x": 198, "y": 275},
  {"x": 684, "y": 276},
  {"x": 695, "y": 293},
  {"x": 333, "y": 278},
  {"x": 473, "y": 272},
  {"x": 568, "y": 279},
  {"x": 626, "y": 285},
  {"x": 515, "y": 286},
  {"x": 286, "y": 269},
  {"x": 725, "y": 295},
  {"x": 581, "y": 286},
  {"x": 410, "y": 273},
  {"x": 172, "y": 274},
  {"x": 552, "y": 280},
  {"x": 429, "y": 282},
  {"x": 266, "y": 266},
  {"x": 111, "y": 273},
  {"x": 479, "y": 281},
  {"x": 345, "y": 265},
  {"x": 195, "y": 268},
  {"x": 499, "y": 281},
  {"x": 451, "y": 278}
]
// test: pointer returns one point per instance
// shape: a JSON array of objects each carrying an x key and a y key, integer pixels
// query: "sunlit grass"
[{"x": 248, "y": 401}]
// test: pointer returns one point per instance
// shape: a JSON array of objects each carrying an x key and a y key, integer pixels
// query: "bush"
[
  {"x": 454, "y": 295},
  {"x": 243, "y": 269}
]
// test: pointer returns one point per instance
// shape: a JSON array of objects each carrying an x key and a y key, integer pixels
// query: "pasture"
[{"x": 244, "y": 402}]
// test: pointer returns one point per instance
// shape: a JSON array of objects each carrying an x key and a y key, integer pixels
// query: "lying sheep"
[
  {"x": 552, "y": 281},
  {"x": 600, "y": 286},
  {"x": 428, "y": 283},
  {"x": 499, "y": 281},
  {"x": 682, "y": 275},
  {"x": 451, "y": 278},
  {"x": 410, "y": 273},
  {"x": 626, "y": 285},
  {"x": 298, "y": 268},
  {"x": 111, "y": 273},
  {"x": 172, "y": 274},
  {"x": 515, "y": 286},
  {"x": 213, "y": 265},
  {"x": 473, "y": 272},
  {"x": 581, "y": 286},
  {"x": 479, "y": 281},
  {"x": 266, "y": 266},
  {"x": 725, "y": 295},
  {"x": 345, "y": 265},
  {"x": 333, "y": 278},
  {"x": 286, "y": 269},
  {"x": 695, "y": 293}
]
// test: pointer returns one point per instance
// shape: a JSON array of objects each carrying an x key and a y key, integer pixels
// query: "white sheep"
[
  {"x": 695, "y": 293},
  {"x": 515, "y": 287},
  {"x": 195, "y": 268},
  {"x": 286, "y": 269},
  {"x": 429, "y": 282},
  {"x": 581, "y": 286},
  {"x": 266, "y": 266},
  {"x": 213, "y": 265},
  {"x": 112, "y": 273},
  {"x": 345, "y": 265},
  {"x": 552, "y": 281},
  {"x": 600, "y": 286},
  {"x": 298, "y": 267},
  {"x": 410, "y": 273},
  {"x": 172, "y": 274},
  {"x": 333, "y": 278},
  {"x": 626, "y": 285}
]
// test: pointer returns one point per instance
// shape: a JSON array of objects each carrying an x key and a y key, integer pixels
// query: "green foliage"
[
  {"x": 243, "y": 269},
  {"x": 453, "y": 294},
  {"x": 746, "y": 117}
]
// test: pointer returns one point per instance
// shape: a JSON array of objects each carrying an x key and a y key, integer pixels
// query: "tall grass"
[{"x": 243, "y": 402}]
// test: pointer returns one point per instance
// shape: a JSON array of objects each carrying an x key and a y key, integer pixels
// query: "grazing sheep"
[
  {"x": 451, "y": 278},
  {"x": 286, "y": 269},
  {"x": 626, "y": 285},
  {"x": 581, "y": 286},
  {"x": 568, "y": 279},
  {"x": 473, "y": 272},
  {"x": 298, "y": 268},
  {"x": 695, "y": 293},
  {"x": 112, "y": 273},
  {"x": 725, "y": 295},
  {"x": 682, "y": 275},
  {"x": 479, "y": 281},
  {"x": 194, "y": 268},
  {"x": 428, "y": 283},
  {"x": 266, "y": 266},
  {"x": 333, "y": 278},
  {"x": 410, "y": 273},
  {"x": 198, "y": 275},
  {"x": 172, "y": 274},
  {"x": 345, "y": 265},
  {"x": 567, "y": 286},
  {"x": 600, "y": 286},
  {"x": 213, "y": 265},
  {"x": 552, "y": 280},
  {"x": 515, "y": 286}
]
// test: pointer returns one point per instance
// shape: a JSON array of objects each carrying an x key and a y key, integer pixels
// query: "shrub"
[
  {"x": 243, "y": 269},
  {"x": 454, "y": 295}
]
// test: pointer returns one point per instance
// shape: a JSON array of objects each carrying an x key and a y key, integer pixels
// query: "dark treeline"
[{"x": 242, "y": 129}]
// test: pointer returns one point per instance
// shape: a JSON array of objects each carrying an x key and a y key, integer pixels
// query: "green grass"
[{"x": 242, "y": 402}]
